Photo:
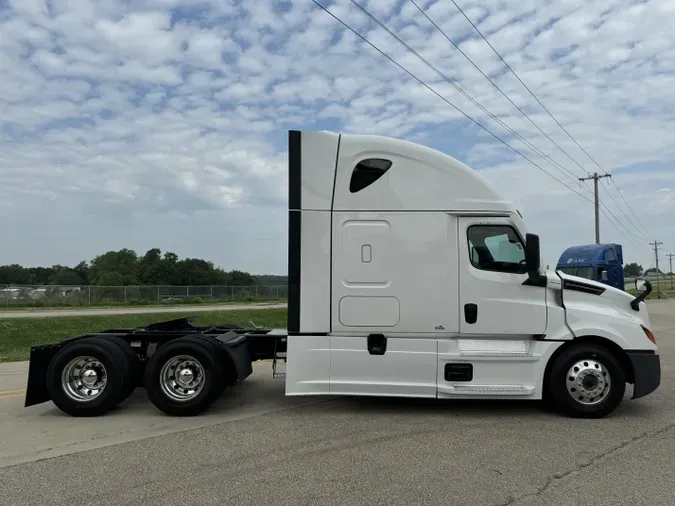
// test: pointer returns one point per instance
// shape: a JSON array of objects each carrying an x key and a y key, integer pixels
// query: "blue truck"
[{"x": 599, "y": 262}]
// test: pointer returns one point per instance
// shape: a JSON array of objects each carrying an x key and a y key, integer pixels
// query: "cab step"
[
  {"x": 486, "y": 390},
  {"x": 275, "y": 372}
]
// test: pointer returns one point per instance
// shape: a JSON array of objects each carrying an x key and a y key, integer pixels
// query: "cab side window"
[{"x": 496, "y": 248}]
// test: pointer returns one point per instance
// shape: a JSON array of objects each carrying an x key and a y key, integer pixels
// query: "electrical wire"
[
  {"x": 495, "y": 84},
  {"x": 557, "y": 165},
  {"x": 325, "y": 9},
  {"x": 463, "y": 113},
  {"x": 545, "y": 109},
  {"x": 644, "y": 236}
]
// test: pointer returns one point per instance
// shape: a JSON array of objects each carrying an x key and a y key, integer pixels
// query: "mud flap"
[
  {"x": 647, "y": 368},
  {"x": 36, "y": 389}
]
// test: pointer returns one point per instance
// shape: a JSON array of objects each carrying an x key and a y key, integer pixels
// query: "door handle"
[
  {"x": 377, "y": 344},
  {"x": 470, "y": 313}
]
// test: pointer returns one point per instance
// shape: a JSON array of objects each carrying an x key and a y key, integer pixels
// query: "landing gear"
[{"x": 587, "y": 381}]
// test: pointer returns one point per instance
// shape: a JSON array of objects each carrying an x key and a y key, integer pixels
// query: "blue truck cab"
[{"x": 599, "y": 262}]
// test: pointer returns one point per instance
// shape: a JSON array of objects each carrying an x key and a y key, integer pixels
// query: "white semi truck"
[{"x": 409, "y": 275}]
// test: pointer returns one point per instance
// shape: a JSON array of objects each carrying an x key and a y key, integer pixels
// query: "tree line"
[
  {"x": 125, "y": 268},
  {"x": 635, "y": 270}
]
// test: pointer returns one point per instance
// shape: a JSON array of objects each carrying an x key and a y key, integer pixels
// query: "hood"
[
  {"x": 578, "y": 290},
  {"x": 594, "y": 288}
]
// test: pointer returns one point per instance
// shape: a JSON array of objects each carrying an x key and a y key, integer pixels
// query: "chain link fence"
[{"x": 93, "y": 295}]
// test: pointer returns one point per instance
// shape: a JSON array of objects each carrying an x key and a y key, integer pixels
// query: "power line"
[
  {"x": 629, "y": 207},
  {"x": 599, "y": 203},
  {"x": 458, "y": 88},
  {"x": 464, "y": 114},
  {"x": 646, "y": 233},
  {"x": 494, "y": 84},
  {"x": 516, "y": 106},
  {"x": 544, "y": 107},
  {"x": 445, "y": 99},
  {"x": 617, "y": 228},
  {"x": 643, "y": 236},
  {"x": 616, "y": 225}
]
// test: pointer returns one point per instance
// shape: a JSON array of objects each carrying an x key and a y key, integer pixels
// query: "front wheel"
[{"x": 587, "y": 381}]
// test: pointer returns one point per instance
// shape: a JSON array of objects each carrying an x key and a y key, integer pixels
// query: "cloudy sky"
[{"x": 163, "y": 124}]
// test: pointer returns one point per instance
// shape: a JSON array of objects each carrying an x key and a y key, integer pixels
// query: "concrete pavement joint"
[
  {"x": 552, "y": 481},
  {"x": 72, "y": 444}
]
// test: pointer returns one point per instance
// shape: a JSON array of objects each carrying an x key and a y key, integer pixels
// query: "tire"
[
  {"x": 587, "y": 381},
  {"x": 67, "y": 384},
  {"x": 229, "y": 373},
  {"x": 134, "y": 364},
  {"x": 201, "y": 358}
]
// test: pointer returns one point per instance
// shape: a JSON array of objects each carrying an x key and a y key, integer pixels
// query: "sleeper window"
[
  {"x": 496, "y": 248},
  {"x": 367, "y": 172}
]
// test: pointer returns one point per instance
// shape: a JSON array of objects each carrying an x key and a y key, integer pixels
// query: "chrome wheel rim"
[
  {"x": 83, "y": 379},
  {"x": 182, "y": 378},
  {"x": 588, "y": 382}
]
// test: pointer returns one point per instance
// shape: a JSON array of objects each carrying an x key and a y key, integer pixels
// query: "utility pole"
[
  {"x": 656, "y": 245},
  {"x": 595, "y": 177},
  {"x": 670, "y": 257}
]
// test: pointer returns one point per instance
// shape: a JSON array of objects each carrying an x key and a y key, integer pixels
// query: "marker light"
[{"x": 649, "y": 335}]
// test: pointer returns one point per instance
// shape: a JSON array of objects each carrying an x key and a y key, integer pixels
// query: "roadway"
[
  {"x": 182, "y": 308},
  {"x": 256, "y": 446}
]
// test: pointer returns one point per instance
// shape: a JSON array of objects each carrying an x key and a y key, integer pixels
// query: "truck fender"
[{"x": 235, "y": 348}]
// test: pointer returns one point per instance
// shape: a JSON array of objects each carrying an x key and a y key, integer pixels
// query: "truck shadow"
[{"x": 257, "y": 391}]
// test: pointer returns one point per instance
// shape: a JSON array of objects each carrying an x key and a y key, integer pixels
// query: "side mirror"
[
  {"x": 532, "y": 254},
  {"x": 645, "y": 288},
  {"x": 641, "y": 284},
  {"x": 533, "y": 261}
]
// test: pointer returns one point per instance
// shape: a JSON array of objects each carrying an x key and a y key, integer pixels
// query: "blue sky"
[{"x": 164, "y": 123}]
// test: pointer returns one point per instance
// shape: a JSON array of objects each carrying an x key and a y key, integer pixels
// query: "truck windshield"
[{"x": 582, "y": 272}]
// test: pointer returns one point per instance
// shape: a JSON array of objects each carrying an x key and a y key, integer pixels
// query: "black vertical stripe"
[
  {"x": 332, "y": 211},
  {"x": 294, "y": 170},
  {"x": 294, "y": 228}
]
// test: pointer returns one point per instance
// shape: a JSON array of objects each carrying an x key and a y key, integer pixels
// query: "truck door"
[{"x": 492, "y": 297}]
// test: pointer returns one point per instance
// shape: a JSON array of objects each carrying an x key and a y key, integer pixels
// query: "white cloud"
[{"x": 163, "y": 122}]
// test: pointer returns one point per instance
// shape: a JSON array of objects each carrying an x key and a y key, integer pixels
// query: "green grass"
[
  {"x": 665, "y": 291},
  {"x": 38, "y": 305},
  {"x": 17, "y": 335}
]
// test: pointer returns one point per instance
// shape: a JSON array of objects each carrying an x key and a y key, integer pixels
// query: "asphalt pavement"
[{"x": 258, "y": 447}]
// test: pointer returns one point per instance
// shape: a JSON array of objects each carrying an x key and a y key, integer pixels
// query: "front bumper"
[{"x": 647, "y": 371}]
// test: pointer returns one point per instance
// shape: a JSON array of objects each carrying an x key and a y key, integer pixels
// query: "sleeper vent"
[{"x": 367, "y": 172}]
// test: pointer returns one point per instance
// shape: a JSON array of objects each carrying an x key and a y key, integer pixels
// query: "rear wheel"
[
  {"x": 184, "y": 376},
  {"x": 135, "y": 370},
  {"x": 88, "y": 377},
  {"x": 587, "y": 381}
]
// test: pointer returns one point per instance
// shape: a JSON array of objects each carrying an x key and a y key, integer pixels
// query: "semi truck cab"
[
  {"x": 409, "y": 276},
  {"x": 599, "y": 262}
]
